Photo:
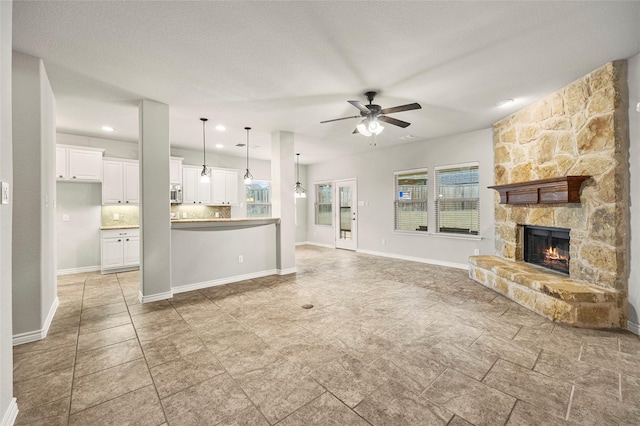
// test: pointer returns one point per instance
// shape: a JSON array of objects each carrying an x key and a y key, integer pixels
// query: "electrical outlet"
[
  {"x": 184, "y": 215},
  {"x": 476, "y": 252},
  {"x": 315, "y": 233},
  {"x": 116, "y": 216},
  {"x": 382, "y": 241},
  {"x": 240, "y": 259},
  {"x": 65, "y": 218}
]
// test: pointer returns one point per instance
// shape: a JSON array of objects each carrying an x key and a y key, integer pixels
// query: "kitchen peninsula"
[{"x": 209, "y": 252}]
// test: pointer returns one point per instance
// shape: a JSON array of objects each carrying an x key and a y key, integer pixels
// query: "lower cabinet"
[{"x": 120, "y": 250}]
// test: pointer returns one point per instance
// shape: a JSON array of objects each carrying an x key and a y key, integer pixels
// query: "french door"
[{"x": 346, "y": 219}]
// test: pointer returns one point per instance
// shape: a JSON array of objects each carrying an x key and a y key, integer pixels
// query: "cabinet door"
[
  {"x": 175, "y": 170},
  {"x": 112, "y": 185},
  {"x": 61, "y": 163},
  {"x": 112, "y": 252},
  {"x": 131, "y": 183},
  {"x": 231, "y": 187},
  {"x": 204, "y": 191},
  {"x": 219, "y": 187},
  {"x": 190, "y": 185},
  {"x": 85, "y": 165},
  {"x": 131, "y": 251}
]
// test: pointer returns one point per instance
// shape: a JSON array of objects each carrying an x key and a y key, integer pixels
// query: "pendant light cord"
[
  {"x": 247, "y": 129},
  {"x": 204, "y": 143}
]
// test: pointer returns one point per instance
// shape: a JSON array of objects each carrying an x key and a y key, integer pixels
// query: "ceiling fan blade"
[
  {"x": 394, "y": 121},
  {"x": 360, "y": 106},
  {"x": 400, "y": 108},
  {"x": 338, "y": 119}
]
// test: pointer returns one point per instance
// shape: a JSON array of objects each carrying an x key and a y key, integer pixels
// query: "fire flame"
[{"x": 552, "y": 253}]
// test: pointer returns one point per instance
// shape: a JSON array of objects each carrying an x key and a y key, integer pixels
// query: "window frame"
[
  {"x": 316, "y": 204},
  {"x": 397, "y": 201},
  {"x": 438, "y": 199}
]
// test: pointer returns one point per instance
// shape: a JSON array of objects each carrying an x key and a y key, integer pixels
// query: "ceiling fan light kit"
[{"x": 373, "y": 114}]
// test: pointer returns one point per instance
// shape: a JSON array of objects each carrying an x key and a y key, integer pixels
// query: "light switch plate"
[{"x": 5, "y": 192}]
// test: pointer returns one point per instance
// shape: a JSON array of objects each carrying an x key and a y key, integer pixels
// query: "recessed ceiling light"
[
  {"x": 219, "y": 146},
  {"x": 505, "y": 102},
  {"x": 220, "y": 128},
  {"x": 406, "y": 137},
  {"x": 107, "y": 128}
]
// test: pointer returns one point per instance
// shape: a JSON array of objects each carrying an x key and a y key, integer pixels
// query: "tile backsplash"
[
  {"x": 120, "y": 215},
  {"x": 178, "y": 211}
]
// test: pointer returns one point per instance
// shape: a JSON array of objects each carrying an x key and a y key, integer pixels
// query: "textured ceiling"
[{"x": 289, "y": 65}]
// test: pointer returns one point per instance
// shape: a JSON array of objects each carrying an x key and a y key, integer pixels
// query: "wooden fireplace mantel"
[{"x": 565, "y": 189}]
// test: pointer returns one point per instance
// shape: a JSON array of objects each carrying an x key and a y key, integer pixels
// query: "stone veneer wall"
[{"x": 582, "y": 129}]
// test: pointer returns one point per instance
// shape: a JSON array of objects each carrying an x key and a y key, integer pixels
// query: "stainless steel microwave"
[{"x": 175, "y": 191}]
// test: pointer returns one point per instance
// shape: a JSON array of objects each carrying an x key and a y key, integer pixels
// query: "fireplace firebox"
[{"x": 547, "y": 247}]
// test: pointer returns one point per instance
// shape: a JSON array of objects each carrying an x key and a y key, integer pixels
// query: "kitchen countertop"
[
  {"x": 223, "y": 222},
  {"x": 105, "y": 228}
]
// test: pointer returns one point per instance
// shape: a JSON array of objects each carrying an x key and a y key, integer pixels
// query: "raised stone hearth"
[
  {"x": 552, "y": 295},
  {"x": 579, "y": 131}
]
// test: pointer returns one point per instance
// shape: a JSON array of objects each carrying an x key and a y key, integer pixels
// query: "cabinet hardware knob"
[
  {"x": 127, "y": 202},
  {"x": 119, "y": 240},
  {"x": 127, "y": 239},
  {"x": 60, "y": 176},
  {"x": 74, "y": 177},
  {"x": 119, "y": 201}
]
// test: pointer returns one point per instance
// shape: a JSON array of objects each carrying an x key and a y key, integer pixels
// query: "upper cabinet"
[
  {"x": 121, "y": 183},
  {"x": 194, "y": 191},
  {"x": 78, "y": 164},
  {"x": 225, "y": 187},
  {"x": 175, "y": 170},
  {"x": 221, "y": 190}
]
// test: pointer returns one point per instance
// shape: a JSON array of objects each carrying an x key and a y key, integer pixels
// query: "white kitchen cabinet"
[
  {"x": 78, "y": 164},
  {"x": 194, "y": 191},
  {"x": 175, "y": 170},
  {"x": 121, "y": 182},
  {"x": 225, "y": 187},
  {"x": 120, "y": 250}
]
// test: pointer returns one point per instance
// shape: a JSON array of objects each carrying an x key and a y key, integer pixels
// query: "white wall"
[
  {"x": 374, "y": 173},
  {"x": 634, "y": 160},
  {"x": 78, "y": 239},
  {"x": 8, "y": 407},
  {"x": 33, "y": 229}
]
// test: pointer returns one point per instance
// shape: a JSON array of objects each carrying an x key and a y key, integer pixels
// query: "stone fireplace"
[{"x": 580, "y": 131}]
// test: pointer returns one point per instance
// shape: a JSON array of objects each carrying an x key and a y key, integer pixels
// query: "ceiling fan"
[{"x": 372, "y": 114}]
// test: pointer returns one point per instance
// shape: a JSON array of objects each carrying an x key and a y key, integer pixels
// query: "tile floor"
[{"x": 388, "y": 342}]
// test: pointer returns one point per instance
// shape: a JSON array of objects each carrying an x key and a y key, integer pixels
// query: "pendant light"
[
  {"x": 248, "y": 177},
  {"x": 205, "y": 175},
  {"x": 299, "y": 191}
]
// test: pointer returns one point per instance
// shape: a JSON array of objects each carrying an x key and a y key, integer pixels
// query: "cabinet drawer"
[{"x": 115, "y": 233}]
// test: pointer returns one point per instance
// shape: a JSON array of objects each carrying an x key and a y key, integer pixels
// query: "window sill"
[{"x": 440, "y": 235}]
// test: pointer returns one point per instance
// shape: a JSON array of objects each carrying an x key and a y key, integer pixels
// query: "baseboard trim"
[
  {"x": 32, "y": 336},
  {"x": 311, "y": 243},
  {"x": 286, "y": 271},
  {"x": 633, "y": 327},
  {"x": 416, "y": 259},
  {"x": 81, "y": 270},
  {"x": 154, "y": 297},
  {"x": 11, "y": 414},
  {"x": 222, "y": 281}
]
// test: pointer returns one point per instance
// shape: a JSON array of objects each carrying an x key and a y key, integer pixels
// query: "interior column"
[
  {"x": 282, "y": 200},
  {"x": 155, "y": 210}
]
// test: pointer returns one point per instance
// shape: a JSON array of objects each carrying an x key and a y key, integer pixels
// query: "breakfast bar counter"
[{"x": 209, "y": 252}]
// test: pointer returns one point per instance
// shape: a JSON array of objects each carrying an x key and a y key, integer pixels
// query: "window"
[
  {"x": 324, "y": 209},
  {"x": 457, "y": 202},
  {"x": 259, "y": 199},
  {"x": 411, "y": 200}
]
